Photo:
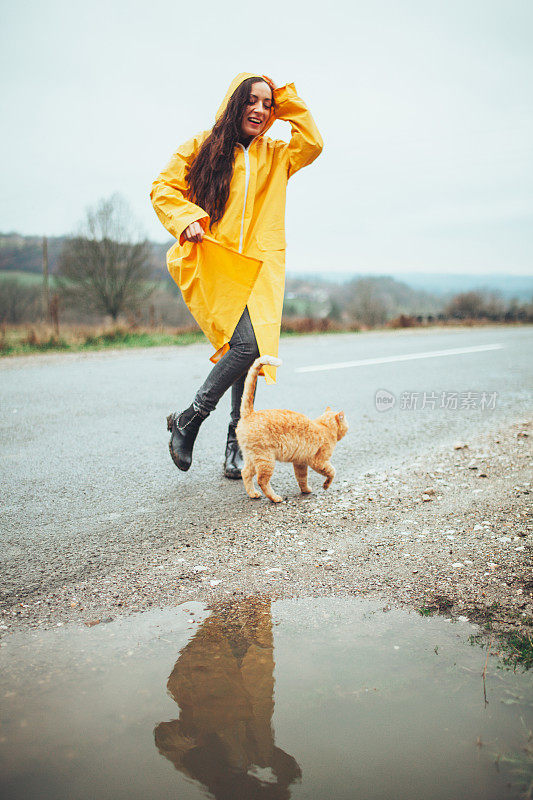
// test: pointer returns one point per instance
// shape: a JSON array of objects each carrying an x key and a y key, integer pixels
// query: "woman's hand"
[
  {"x": 194, "y": 232},
  {"x": 270, "y": 83}
]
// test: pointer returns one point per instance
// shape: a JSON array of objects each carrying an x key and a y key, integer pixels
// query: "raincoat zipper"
[{"x": 247, "y": 180}]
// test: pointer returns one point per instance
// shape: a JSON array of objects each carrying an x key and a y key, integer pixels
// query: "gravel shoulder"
[{"x": 451, "y": 532}]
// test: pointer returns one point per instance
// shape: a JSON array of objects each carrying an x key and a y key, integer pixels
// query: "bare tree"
[
  {"x": 368, "y": 305},
  {"x": 106, "y": 267}
]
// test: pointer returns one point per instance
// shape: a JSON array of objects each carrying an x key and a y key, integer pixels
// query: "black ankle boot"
[
  {"x": 184, "y": 428},
  {"x": 233, "y": 460}
]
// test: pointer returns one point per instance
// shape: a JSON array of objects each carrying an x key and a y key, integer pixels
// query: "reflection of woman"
[
  {"x": 223, "y": 683},
  {"x": 228, "y": 185}
]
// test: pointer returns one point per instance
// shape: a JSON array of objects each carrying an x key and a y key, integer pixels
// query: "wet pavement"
[
  {"x": 308, "y": 698},
  {"x": 87, "y": 476}
]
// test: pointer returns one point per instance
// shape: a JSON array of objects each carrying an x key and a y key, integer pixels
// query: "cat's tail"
[{"x": 247, "y": 402}]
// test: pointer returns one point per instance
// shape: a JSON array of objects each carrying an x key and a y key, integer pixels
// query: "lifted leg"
[{"x": 324, "y": 468}]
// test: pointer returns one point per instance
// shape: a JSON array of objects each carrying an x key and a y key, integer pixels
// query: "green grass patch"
[
  {"x": 18, "y": 342},
  {"x": 27, "y": 346},
  {"x": 26, "y": 278},
  {"x": 124, "y": 338},
  {"x": 518, "y": 649},
  {"x": 515, "y": 647}
]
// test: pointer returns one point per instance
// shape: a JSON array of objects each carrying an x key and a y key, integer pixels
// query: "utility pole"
[{"x": 46, "y": 289}]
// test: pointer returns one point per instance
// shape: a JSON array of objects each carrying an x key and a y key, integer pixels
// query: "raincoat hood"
[{"x": 236, "y": 82}]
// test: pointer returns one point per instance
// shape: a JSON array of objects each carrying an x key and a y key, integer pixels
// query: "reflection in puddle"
[
  {"x": 223, "y": 682},
  {"x": 301, "y": 699}
]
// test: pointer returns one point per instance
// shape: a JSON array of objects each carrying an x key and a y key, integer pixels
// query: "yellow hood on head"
[{"x": 236, "y": 82}]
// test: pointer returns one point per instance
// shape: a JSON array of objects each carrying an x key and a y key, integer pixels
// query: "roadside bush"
[
  {"x": 519, "y": 313},
  {"x": 312, "y": 325},
  {"x": 476, "y": 305},
  {"x": 405, "y": 321}
]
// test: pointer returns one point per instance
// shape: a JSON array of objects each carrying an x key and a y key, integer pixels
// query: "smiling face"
[{"x": 257, "y": 111}]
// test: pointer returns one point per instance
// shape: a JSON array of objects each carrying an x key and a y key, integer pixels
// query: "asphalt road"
[{"x": 87, "y": 479}]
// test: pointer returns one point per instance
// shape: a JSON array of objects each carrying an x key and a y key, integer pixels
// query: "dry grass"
[{"x": 39, "y": 338}]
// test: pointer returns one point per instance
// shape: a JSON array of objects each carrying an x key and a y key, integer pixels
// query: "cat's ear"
[
  {"x": 328, "y": 408},
  {"x": 339, "y": 417}
]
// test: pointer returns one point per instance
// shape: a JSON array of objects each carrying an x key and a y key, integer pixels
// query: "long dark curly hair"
[{"x": 209, "y": 175}]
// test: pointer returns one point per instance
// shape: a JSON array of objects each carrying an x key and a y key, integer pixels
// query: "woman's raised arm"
[
  {"x": 306, "y": 142},
  {"x": 169, "y": 194}
]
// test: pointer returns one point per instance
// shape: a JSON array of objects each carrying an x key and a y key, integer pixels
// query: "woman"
[{"x": 223, "y": 197}]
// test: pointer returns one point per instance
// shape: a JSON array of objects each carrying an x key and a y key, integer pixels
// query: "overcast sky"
[{"x": 425, "y": 107}]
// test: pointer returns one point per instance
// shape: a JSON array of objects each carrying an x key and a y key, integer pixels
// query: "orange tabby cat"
[{"x": 279, "y": 435}]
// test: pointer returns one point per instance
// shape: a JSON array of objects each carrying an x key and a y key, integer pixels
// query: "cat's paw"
[
  {"x": 307, "y": 490},
  {"x": 254, "y": 495},
  {"x": 276, "y": 498}
]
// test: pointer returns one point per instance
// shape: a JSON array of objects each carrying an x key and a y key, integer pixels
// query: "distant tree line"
[
  {"x": 377, "y": 301},
  {"x": 107, "y": 271},
  {"x": 364, "y": 306}
]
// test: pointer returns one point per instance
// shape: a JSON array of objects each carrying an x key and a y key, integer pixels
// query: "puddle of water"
[{"x": 292, "y": 699}]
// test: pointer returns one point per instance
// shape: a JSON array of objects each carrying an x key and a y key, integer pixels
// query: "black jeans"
[{"x": 231, "y": 370}]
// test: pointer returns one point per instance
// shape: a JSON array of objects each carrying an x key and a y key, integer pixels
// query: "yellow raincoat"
[{"x": 241, "y": 261}]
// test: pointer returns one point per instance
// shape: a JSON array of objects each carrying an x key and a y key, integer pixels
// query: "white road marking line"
[{"x": 364, "y": 362}]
